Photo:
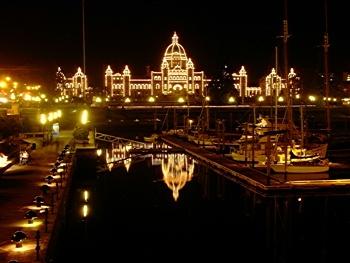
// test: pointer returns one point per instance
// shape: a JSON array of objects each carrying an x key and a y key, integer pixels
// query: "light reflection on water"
[
  {"x": 177, "y": 171},
  {"x": 212, "y": 215},
  {"x": 177, "y": 168}
]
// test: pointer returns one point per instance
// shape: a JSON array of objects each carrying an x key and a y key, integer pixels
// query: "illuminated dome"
[{"x": 175, "y": 54}]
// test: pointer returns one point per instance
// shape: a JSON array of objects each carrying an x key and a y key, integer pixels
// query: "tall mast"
[
  {"x": 276, "y": 87},
  {"x": 326, "y": 72},
  {"x": 83, "y": 28},
  {"x": 285, "y": 55}
]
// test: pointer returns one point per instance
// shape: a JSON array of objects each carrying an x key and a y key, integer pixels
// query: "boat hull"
[{"x": 281, "y": 168}]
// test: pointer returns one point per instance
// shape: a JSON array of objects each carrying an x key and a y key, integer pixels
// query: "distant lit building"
[
  {"x": 346, "y": 83},
  {"x": 76, "y": 86},
  {"x": 177, "y": 77},
  {"x": 240, "y": 83},
  {"x": 273, "y": 83}
]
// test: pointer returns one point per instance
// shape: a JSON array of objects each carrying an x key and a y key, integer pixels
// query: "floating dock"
[{"x": 258, "y": 180}]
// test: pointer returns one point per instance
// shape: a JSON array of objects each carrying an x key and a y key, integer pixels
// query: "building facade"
[
  {"x": 76, "y": 86},
  {"x": 177, "y": 78},
  {"x": 273, "y": 83}
]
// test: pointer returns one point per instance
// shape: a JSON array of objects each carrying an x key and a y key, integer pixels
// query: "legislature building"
[{"x": 177, "y": 78}]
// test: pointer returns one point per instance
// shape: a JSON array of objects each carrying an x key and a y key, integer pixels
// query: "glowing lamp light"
[
  {"x": 3, "y": 84},
  {"x": 86, "y": 195},
  {"x": 280, "y": 99},
  {"x": 99, "y": 152},
  {"x": 85, "y": 211},
  {"x": 181, "y": 100},
  {"x": 151, "y": 99},
  {"x": 84, "y": 117},
  {"x": 43, "y": 118},
  {"x": 127, "y": 100},
  {"x": 231, "y": 99},
  {"x": 50, "y": 116},
  {"x": 312, "y": 98},
  {"x": 27, "y": 97},
  {"x": 207, "y": 98},
  {"x": 261, "y": 99},
  {"x": 3, "y": 100}
]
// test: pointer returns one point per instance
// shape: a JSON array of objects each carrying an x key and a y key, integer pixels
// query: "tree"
[
  {"x": 81, "y": 133},
  {"x": 221, "y": 87}
]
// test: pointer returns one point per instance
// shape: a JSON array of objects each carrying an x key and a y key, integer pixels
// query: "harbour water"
[{"x": 171, "y": 208}]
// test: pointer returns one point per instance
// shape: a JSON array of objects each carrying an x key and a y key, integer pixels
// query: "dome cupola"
[{"x": 175, "y": 54}]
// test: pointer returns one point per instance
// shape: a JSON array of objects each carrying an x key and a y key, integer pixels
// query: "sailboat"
[
  {"x": 295, "y": 158},
  {"x": 251, "y": 146},
  {"x": 297, "y": 162}
]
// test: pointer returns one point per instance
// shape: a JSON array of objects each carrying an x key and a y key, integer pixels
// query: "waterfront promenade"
[{"x": 18, "y": 187}]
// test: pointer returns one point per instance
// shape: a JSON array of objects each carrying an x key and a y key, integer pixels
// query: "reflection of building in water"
[
  {"x": 158, "y": 157},
  {"x": 119, "y": 152},
  {"x": 177, "y": 171}
]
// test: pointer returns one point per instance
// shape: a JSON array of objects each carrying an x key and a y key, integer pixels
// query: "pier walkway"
[
  {"x": 18, "y": 186},
  {"x": 258, "y": 180}
]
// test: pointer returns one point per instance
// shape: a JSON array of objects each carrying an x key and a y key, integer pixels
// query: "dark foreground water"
[{"x": 133, "y": 217}]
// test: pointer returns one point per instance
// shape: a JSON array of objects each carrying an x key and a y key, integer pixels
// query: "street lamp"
[
  {"x": 231, "y": 100},
  {"x": 49, "y": 179},
  {"x": 261, "y": 99},
  {"x": 18, "y": 237},
  {"x": 84, "y": 117},
  {"x": 190, "y": 121},
  {"x": 39, "y": 200},
  {"x": 45, "y": 189},
  {"x": 152, "y": 100},
  {"x": 181, "y": 100},
  {"x": 312, "y": 98},
  {"x": 30, "y": 215},
  {"x": 54, "y": 170}
]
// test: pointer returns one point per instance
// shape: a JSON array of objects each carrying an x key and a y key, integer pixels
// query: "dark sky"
[{"x": 38, "y": 36}]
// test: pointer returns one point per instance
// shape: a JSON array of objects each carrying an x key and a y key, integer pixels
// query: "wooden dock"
[
  {"x": 260, "y": 181},
  {"x": 143, "y": 151}
]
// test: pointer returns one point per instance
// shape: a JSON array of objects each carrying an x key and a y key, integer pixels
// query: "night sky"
[{"x": 38, "y": 36}]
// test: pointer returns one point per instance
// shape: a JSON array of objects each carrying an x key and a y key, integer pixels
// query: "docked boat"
[
  {"x": 314, "y": 166},
  {"x": 253, "y": 149},
  {"x": 153, "y": 138},
  {"x": 299, "y": 161}
]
